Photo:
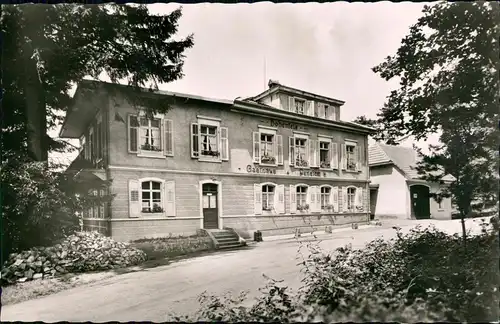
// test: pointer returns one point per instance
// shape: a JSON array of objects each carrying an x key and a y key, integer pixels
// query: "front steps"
[{"x": 226, "y": 238}]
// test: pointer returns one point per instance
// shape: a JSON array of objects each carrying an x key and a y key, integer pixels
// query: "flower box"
[
  {"x": 301, "y": 163},
  {"x": 267, "y": 209},
  {"x": 303, "y": 207},
  {"x": 268, "y": 159},
  {"x": 149, "y": 147},
  {"x": 155, "y": 209},
  {"x": 324, "y": 165},
  {"x": 210, "y": 153},
  {"x": 328, "y": 207}
]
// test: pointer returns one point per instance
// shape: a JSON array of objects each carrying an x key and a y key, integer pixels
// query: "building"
[
  {"x": 280, "y": 160},
  {"x": 396, "y": 190}
]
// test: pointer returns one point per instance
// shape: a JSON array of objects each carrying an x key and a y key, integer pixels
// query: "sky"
[{"x": 328, "y": 49}]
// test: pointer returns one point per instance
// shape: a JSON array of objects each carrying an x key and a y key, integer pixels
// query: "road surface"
[{"x": 150, "y": 294}]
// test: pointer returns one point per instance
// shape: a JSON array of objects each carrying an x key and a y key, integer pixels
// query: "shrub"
[{"x": 425, "y": 275}]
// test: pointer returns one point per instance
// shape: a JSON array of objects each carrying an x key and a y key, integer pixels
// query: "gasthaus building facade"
[{"x": 280, "y": 160}]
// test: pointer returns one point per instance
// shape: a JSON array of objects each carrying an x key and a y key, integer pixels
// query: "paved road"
[{"x": 150, "y": 294}]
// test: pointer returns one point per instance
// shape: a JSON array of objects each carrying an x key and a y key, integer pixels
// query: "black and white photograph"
[{"x": 250, "y": 162}]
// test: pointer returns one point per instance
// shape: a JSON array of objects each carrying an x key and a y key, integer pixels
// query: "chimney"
[{"x": 273, "y": 83}]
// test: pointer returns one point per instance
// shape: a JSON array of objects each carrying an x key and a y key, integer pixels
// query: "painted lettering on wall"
[
  {"x": 308, "y": 173},
  {"x": 253, "y": 169}
]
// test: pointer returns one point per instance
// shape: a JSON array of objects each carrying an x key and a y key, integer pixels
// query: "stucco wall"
[
  {"x": 392, "y": 192},
  {"x": 440, "y": 213}
]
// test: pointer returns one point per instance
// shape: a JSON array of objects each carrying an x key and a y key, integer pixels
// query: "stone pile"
[{"x": 80, "y": 252}]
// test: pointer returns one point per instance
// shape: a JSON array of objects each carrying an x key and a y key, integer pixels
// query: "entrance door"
[
  {"x": 210, "y": 208},
  {"x": 420, "y": 202}
]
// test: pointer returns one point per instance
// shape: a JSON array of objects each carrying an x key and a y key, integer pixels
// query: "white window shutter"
[
  {"x": 291, "y": 150},
  {"x": 366, "y": 200},
  {"x": 343, "y": 159},
  {"x": 279, "y": 196},
  {"x": 308, "y": 153},
  {"x": 312, "y": 153},
  {"x": 358, "y": 198},
  {"x": 257, "y": 194},
  {"x": 293, "y": 199},
  {"x": 344, "y": 200},
  {"x": 358, "y": 158},
  {"x": 134, "y": 199},
  {"x": 311, "y": 198},
  {"x": 334, "y": 199},
  {"x": 256, "y": 147},
  {"x": 291, "y": 104},
  {"x": 169, "y": 197},
  {"x": 318, "y": 158},
  {"x": 279, "y": 145},
  {"x": 168, "y": 127},
  {"x": 224, "y": 143},
  {"x": 334, "y": 156},
  {"x": 309, "y": 108},
  {"x": 321, "y": 111},
  {"x": 133, "y": 134},
  {"x": 195, "y": 141}
]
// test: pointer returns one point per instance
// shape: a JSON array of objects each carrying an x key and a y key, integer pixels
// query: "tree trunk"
[{"x": 464, "y": 232}]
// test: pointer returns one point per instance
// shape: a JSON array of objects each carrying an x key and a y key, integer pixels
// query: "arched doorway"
[
  {"x": 210, "y": 206},
  {"x": 420, "y": 202}
]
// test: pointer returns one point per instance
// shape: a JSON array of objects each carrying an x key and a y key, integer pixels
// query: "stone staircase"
[{"x": 226, "y": 238}]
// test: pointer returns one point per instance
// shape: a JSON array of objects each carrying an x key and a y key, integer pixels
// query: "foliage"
[
  {"x": 39, "y": 204},
  {"x": 50, "y": 48},
  {"x": 448, "y": 70},
  {"x": 424, "y": 275}
]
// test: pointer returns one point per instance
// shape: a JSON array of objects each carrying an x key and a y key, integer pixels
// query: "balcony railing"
[{"x": 82, "y": 163}]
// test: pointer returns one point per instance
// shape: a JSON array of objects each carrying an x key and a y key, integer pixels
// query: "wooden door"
[
  {"x": 420, "y": 202},
  {"x": 210, "y": 206}
]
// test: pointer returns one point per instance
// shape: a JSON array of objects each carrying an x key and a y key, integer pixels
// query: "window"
[
  {"x": 350, "y": 150},
  {"x": 301, "y": 159},
  {"x": 325, "y": 198},
  {"x": 351, "y": 199},
  {"x": 324, "y": 155},
  {"x": 302, "y": 198},
  {"x": 150, "y": 134},
  {"x": 327, "y": 112},
  {"x": 151, "y": 197},
  {"x": 209, "y": 141},
  {"x": 300, "y": 106},
  {"x": 267, "y": 147},
  {"x": 267, "y": 197}
]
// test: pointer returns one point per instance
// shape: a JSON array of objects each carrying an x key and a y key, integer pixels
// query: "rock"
[
  {"x": 37, "y": 276},
  {"x": 30, "y": 259},
  {"x": 18, "y": 262},
  {"x": 22, "y": 279},
  {"x": 29, "y": 273}
]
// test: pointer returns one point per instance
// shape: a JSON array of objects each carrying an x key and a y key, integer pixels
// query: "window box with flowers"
[
  {"x": 266, "y": 159},
  {"x": 210, "y": 153},
  {"x": 301, "y": 163},
  {"x": 149, "y": 147},
  {"x": 327, "y": 208},
  {"x": 156, "y": 209},
  {"x": 359, "y": 209},
  {"x": 324, "y": 165},
  {"x": 303, "y": 208}
]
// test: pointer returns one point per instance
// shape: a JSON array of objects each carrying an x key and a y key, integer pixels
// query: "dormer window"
[{"x": 300, "y": 106}]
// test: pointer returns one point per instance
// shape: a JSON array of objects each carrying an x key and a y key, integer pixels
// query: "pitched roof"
[{"x": 404, "y": 158}]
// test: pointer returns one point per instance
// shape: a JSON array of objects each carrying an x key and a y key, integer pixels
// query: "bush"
[{"x": 425, "y": 275}]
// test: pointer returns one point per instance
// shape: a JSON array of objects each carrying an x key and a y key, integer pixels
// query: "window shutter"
[
  {"x": 318, "y": 158},
  {"x": 340, "y": 205},
  {"x": 256, "y": 147},
  {"x": 312, "y": 153},
  {"x": 317, "y": 109},
  {"x": 195, "y": 143},
  {"x": 343, "y": 159},
  {"x": 133, "y": 134},
  {"x": 99, "y": 141},
  {"x": 308, "y": 153},
  {"x": 257, "y": 193},
  {"x": 224, "y": 144},
  {"x": 293, "y": 200},
  {"x": 359, "y": 198},
  {"x": 334, "y": 199},
  {"x": 318, "y": 199},
  {"x": 311, "y": 198},
  {"x": 344, "y": 200},
  {"x": 279, "y": 196},
  {"x": 168, "y": 127},
  {"x": 358, "y": 158},
  {"x": 291, "y": 104},
  {"x": 169, "y": 197},
  {"x": 366, "y": 200},
  {"x": 311, "y": 106},
  {"x": 334, "y": 156},
  {"x": 321, "y": 111},
  {"x": 279, "y": 144},
  {"x": 291, "y": 150},
  {"x": 134, "y": 201}
]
